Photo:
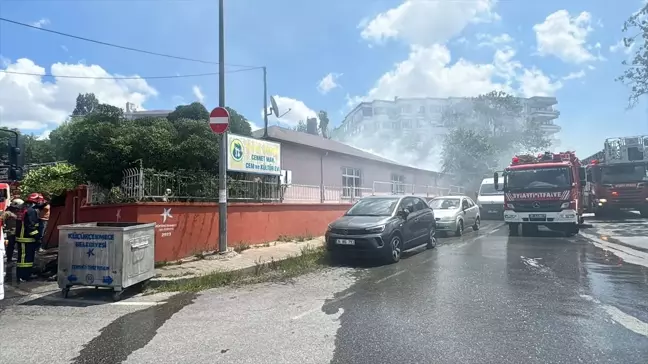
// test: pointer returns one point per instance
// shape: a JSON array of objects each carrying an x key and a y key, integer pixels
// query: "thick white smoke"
[{"x": 422, "y": 150}]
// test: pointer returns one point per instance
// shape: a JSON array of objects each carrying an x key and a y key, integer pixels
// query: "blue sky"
[{"x": 302, "y": 41}]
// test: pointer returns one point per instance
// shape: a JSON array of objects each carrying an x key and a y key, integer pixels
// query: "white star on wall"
[{"x": 166, "y": 215}]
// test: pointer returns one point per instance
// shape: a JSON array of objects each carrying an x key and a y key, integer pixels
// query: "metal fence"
[{"x": 139, "y": 184}]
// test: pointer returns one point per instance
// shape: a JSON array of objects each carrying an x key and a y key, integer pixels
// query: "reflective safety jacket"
[{"x": 27, "y": 226}]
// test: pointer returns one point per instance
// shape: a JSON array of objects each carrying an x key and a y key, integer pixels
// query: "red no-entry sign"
[{"x": 219, "y": 120}]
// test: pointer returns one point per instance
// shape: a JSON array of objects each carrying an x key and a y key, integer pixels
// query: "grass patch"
[
  {"x": 241, "y": 247},
  {"x": 309, "y": 260}
]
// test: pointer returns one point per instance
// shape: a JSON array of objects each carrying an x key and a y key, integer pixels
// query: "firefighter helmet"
[
  {"x": 34, "y": 197},
  {"x": 16, "y": 203}
]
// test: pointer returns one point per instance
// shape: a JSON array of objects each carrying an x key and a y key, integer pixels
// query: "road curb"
[
  {"x": 157, "y": 282},
  {"x": 614, "y": 241}
]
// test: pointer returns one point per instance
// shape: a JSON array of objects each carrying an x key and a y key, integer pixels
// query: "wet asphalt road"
[{"x": 481, "y": 298}]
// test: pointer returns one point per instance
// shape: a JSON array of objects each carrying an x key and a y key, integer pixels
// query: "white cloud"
[
  {"x": 32, "y": 103},
  {"x": 535, "y": 83},
  {"x": 488, "y": 40},
  {"x": 565, "y": 37},
  {"x": 254, "y": 126},
  {"x": 430, "y": 71},
  {"x": 620, "y": 47},
  {"x": 44, "y": 135},
  {"x": 294, "y": 110},
  {"x": 198, "y": 93},
  {"x": 328, "y": 83},
  {"x": 40, "y": 23},
  {"x": 575, "y": 75},
  {"x": 425, "y": 22}
]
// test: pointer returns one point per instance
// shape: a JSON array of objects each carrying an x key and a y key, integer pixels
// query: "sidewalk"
[{"x": 243, "y": 261}]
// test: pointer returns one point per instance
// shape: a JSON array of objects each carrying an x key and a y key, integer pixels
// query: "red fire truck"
[
  {"x": 543, "y": 190},
  {"x": 617, "y": 177}
]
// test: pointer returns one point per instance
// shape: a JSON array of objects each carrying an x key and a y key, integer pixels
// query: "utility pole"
[
  {"x": 222, "y": 161},
  {"x": 265, "y": 102}
]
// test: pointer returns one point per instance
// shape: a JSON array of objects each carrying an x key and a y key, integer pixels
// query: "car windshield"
[
  {"x": 374, "y": 207},
  {"x": 489, "y": 190},
  {"x": 623, "y": 173},
  {"x": 444, "y": 203},
  {"x": 538, "y": 178}
]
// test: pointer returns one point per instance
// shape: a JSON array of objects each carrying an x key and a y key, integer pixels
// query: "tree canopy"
[
  {"x": 51, "y": 181},
  {"x": 485, "y": 128},
  {"x": 85, "y": 104},
  {"x": 636, "y": 73},
  {"x": 100, "y": 142}
]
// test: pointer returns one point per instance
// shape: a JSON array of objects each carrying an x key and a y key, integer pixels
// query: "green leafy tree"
[
  {"x": 103, "y": 143},
  {"x": 85, "y": 104},
  {"x": 467, "y": 153},
  {"x": 197, "y": 111},
  {"x": 38, "y": 150},
  {"x": 238, "y": 123},
  {"x": 635, "y": 74},
  {"x": 99, "y": 148},
  {"x": 51, "y": 181},
  {"x": 193, "y": 111},
  {"x": 323, "y": 123},
  {"x": 301, "y": 127}
]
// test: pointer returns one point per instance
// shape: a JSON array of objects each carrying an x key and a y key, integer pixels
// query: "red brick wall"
[{"x": 191, "y": 228}]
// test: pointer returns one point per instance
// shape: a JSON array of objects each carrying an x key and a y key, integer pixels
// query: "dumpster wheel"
[{"x": 116, "y": 296}]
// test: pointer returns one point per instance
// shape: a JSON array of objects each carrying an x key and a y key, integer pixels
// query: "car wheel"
[
  {"x": 432, "y": 241},
  {"x": 460, "y": 228},
  {"x": 395, "y": 248},
  {"x": 477, "y": 223}
]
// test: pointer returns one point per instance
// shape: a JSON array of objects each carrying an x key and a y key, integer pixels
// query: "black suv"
[{"x": 383, "y": 226}]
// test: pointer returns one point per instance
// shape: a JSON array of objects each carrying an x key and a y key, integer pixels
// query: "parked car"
[
  {"x": 383, "y": 227},
  {"x": 454, "y": 213}
]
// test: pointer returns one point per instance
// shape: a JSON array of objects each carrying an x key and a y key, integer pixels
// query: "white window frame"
[
  {"x": 351, "y": 182},
  {"x": 398, "y": 184}
]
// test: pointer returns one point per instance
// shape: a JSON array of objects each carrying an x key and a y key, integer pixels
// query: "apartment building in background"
[
  {"x": 424, "y": 115},
  {"x": 131, "y": 112}
]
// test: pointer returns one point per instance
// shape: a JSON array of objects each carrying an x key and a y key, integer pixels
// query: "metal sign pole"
[{"x": 222, "y": 161}]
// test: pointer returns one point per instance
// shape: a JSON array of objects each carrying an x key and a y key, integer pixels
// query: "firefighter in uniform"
[
  {"x": 9, "y": 218},
  {"x": 27, "y": 238}
]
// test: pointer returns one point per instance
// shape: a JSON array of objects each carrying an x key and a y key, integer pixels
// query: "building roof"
[{"x": 318, "y": 142}]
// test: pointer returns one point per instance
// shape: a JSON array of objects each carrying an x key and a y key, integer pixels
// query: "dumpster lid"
[{"x": 116, "y": 226}]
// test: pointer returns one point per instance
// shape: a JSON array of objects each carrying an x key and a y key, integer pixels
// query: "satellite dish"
[{"x": 274, "y": 109}]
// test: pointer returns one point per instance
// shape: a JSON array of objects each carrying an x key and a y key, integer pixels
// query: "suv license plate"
[
  {"x": 537, "y": 216},
  {"x": 345, "y": 242}
]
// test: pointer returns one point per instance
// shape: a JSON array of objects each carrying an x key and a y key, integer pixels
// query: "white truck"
[{"x": 490, "y": 200}]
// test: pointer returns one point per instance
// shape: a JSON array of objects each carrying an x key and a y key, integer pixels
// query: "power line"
[
  {"x": 116, "y": 45},
  {"x": 127, "y": 77}
]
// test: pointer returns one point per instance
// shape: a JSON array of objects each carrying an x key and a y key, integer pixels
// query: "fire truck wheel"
[
  {"x": 513, "y": 229},
  {"x": 572, "y": 231}
]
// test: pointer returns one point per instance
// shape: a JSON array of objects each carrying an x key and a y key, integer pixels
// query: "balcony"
[
  {"x": 544, "y": 113},
  {"x": 550, "y": 128},
  {"x": 542, "y": 101}
]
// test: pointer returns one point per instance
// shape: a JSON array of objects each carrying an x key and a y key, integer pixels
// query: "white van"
[{"x": 490, "y": 201}]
